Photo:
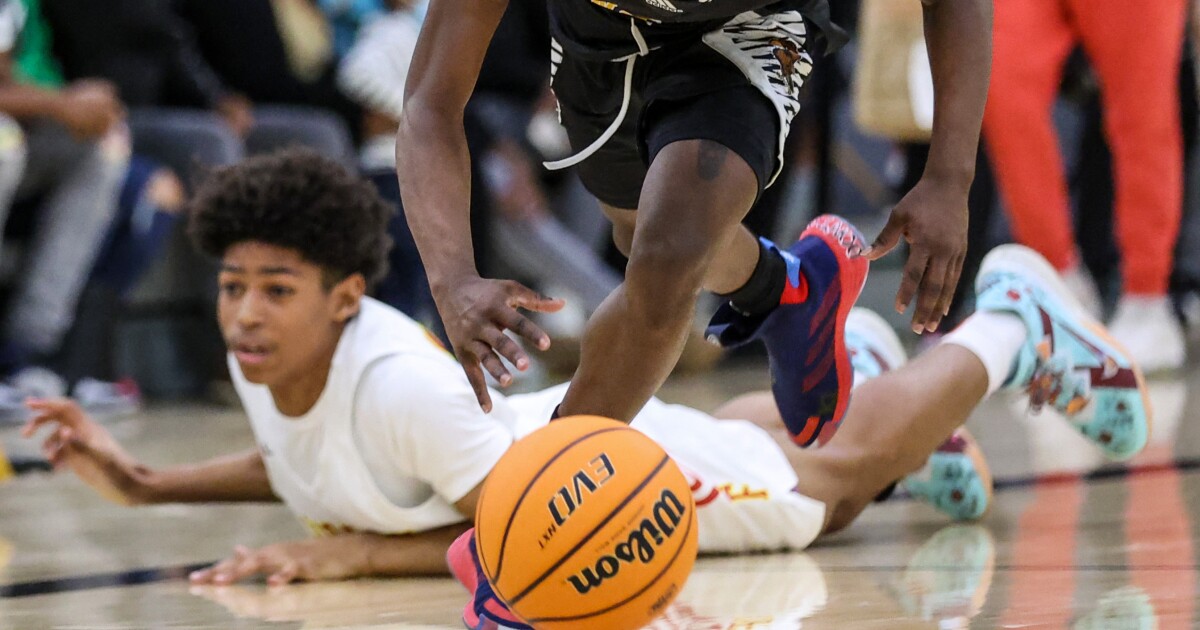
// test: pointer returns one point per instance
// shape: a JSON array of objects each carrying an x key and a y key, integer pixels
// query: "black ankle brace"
[{"x": 762, "y": 291}]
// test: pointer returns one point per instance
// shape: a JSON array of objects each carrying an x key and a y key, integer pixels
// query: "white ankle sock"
[{"x": 993, "y": 337}]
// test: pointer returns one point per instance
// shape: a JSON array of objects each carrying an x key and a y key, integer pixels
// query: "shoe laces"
[{"x": 1056, "y": 382}]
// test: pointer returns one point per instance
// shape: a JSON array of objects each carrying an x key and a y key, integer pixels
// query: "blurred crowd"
[{"x": 111, "y": 112}]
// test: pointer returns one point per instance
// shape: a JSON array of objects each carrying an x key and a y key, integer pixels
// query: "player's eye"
[
  {"x": 232, "y": 289},
  {"x": 279, "y": 291}
]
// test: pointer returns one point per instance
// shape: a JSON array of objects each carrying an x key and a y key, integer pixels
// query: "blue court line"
[
  {"x": 98, "y": 580},
  {"x": 163, "y": 574},
  {"x": 1182, "y": 464}
]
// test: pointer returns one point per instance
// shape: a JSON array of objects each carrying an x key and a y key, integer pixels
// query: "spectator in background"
[
  {"x": 182, "y": 111},
  {"x": 1135, "y": 49},
  {"x": 277, "y": 52},
  {"x": 378, "y": 49},
  {"x": 348, "y": 17},
  {"x": 64, "y": 151}
]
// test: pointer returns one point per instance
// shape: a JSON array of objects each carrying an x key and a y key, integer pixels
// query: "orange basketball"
[{"x": 586, "y": 523}]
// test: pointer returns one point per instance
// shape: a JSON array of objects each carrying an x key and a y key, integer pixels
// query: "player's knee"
[
  {"x": 672, "y": 262},
  {"x": 662, "y": 282}
]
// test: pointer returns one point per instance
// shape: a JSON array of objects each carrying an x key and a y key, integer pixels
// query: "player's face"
[{"x": 278, "y": 319}]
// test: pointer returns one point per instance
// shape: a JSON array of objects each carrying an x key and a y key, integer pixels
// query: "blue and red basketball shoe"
[
  {"x": 811, "y": 376},
  {"x": 485, "y": 611}
]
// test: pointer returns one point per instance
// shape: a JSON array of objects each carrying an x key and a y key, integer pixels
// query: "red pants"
[{"x": 1135, "y": 47}]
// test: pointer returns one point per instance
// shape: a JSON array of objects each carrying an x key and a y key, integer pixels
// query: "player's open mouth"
[{"x": 249, "y": 353}]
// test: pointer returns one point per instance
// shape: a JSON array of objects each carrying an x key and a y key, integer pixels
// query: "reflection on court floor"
[{"x": 1070, "y": 542}]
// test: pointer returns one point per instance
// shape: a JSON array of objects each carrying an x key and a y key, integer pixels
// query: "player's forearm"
[
  {"x": 434, "y": 168},
  {"x": 409, "y": 554},
  {"x": 959, "y": 36},
  {"x": 27, "y": 101},
  {"x": 233, "y": 478}
]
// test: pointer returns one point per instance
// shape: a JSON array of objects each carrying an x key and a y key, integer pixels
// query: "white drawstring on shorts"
[{"x": 627, "y": 92}]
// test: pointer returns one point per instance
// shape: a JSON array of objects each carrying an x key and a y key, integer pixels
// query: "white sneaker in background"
[
  {"x": 1149, "y": 330},
  {"x": 108, "y": 400},
  {"x": 30, "y": 382},
  {"x": 1083, "y": 287},
  {"x": 39, "y": 382}
]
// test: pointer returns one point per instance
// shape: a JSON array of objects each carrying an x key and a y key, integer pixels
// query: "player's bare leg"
[
  {"x": 731, "y": 267},
  {"x": 894, "y": 423},
  {"x": 1029, "y": 334},
  {"x": 695, "y": 196}
]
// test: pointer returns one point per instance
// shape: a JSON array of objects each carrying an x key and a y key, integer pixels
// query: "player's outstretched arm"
[
  {"x": 79, "y": 443},
  {"x": 933, "y": 216},
  {"x": 433, "y": 165},
  {"x": 338, "y": 557},
  {"x": 344, "y": 556}
]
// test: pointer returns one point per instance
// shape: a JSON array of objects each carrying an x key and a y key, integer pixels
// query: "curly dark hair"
[{"x": 297, "y": 199}]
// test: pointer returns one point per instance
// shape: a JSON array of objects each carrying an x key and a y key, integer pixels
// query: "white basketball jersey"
[
  {"x": 392, "y": 455},
  {"x": 743, "y": 484},
  {"x": 316, "y": 462}
]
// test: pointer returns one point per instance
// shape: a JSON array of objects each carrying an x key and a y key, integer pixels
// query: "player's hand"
[
  {"x": 238, "y": 113},
  {"x": 89, "y": 108},
  {"x": 477, "y": 312},
  {"x": 330, "y": 558},
  {"x": 77, "y": 442},
  {"x": 932, "y": 217}
]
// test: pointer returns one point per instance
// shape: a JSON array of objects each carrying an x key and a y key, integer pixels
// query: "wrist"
[
  {"x": 957, "y": 178},
  {"x": 143, "y": 485},
  {"x": 450, "y": 279}
]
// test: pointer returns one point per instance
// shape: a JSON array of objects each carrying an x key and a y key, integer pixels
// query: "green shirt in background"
[{"x": 34, "y": 61}]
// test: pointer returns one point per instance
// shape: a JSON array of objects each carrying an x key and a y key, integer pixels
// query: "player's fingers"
[
  {"x": 508, "y": 348},
  {"x": 209, "y": 575},
  {"x": 888, "y": 238},
  {"x": 201, "y": 576},
  {"x": 65, "y": 408},
  {"x": 470, "y": 365},
  {"x": 527, "y": 330},
  {"x": 491, "y": 362},
  {"x": 52, "y": 449},
  {"x": 929, "y": 295},
  {"x": 37, "y": 422},
  {"x": 910, "y": 279},
  {"x": 530, "y": 300},
  {"x": 244, "y": 567},
  {"x": 285, "y": 575},
  {"x": 953, "y": 272}
]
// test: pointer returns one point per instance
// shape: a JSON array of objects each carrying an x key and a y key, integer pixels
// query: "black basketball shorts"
[{"x": 738, "y": 85}]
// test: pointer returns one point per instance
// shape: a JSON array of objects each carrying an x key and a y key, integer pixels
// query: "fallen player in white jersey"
[{"x": 370, "y": 433}]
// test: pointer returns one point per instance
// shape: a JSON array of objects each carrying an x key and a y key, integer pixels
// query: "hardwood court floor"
[{"x": 1067, "y": 544}]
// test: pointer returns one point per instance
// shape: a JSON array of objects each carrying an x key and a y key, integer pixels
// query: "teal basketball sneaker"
[
  {"x": 956, "y": 479},
  {"x": 1068, "y": 361}
]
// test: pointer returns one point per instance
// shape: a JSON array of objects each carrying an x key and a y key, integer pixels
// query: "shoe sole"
[
  {"x": 1022, "y": 260},
  {"x": 851, "y": 287},
  {"x": 982, "y": 470},
  {"x": 879, "y": 329}
]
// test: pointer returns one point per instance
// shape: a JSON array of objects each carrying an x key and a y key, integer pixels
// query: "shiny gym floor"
[{"x": 1070, "y": 542}]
